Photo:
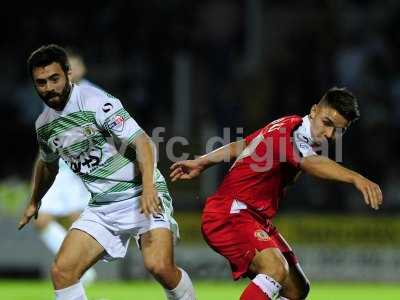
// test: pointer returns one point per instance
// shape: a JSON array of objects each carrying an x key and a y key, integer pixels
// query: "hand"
[
  {"x": 370, "y": 190},
  {"x": 31, "y": 210},
  {"x": 149, "y": 202},
  {"x": 186, "y": 169}
]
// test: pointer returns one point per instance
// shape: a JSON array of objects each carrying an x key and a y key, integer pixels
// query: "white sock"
[
  {"x": 53, "y": 236},
  {"x": 89, "y": 277},
  {"x": 183, "y": 291},
  {"x": 268, "y": 285},
  {"x": 73, "y": 292}
]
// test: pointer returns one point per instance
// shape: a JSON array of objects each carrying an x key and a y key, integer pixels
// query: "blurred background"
[{"x": 222, "y": 68}]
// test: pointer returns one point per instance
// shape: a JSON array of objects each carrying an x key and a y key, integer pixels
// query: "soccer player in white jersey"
[
  {"x": 68, "y": 196},
  {"x": 88, "y": 129}
]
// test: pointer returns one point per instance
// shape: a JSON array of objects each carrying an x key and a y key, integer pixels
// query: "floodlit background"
[{"x": 206, "y": 69}]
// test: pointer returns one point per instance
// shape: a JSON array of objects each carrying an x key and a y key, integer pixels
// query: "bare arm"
[
  {"x": 145, "y": 153},
  {"x": 43, "y": 177},
  {"x": 326, "y": 168},
  {"x": 189, "y": 169}
]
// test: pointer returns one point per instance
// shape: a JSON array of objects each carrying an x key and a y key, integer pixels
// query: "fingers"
[
  {"x": 21, "y": 224},
  {"x": 25, "y": 220},
  {"x": 150, "y": 205},
  {"x": 375, "y": 196},
  {"x": 176, "y": 173},
  {"x": 180, "y": 173},
  {"x": 176, "y": 165},
  {"x": 372, "y": 200},
  {"x": 372, "y": 194},
  {"x": 35, "y": 216},
  {"x": 380, "y": 195}
]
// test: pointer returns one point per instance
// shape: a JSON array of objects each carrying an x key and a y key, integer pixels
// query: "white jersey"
[
  {"x": 62, "y": 166},
  {"x": 87, "y": 134}
]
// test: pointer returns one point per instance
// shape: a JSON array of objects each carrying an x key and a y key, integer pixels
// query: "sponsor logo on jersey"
[
  {"x": 117, "y": 123},
  {"x": 56, "y": 142},
  {"x": 107, "y": 107},
  {"x": 261, "y": 235}
]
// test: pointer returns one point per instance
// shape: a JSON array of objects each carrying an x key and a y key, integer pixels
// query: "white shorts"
[
  {"x": 113, "y": 225},
  {"x": 67, "y": 195}
]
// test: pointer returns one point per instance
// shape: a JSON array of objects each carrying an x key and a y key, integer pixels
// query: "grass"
[{"x": 205, "y": 290}]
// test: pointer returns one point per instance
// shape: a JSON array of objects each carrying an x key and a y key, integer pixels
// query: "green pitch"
[{"x": 206, "y": 290}]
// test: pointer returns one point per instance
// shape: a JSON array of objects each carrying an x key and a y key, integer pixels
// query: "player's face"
[
  {"x": 326, "y": 123},
  {"x": 52, "y": 85}
]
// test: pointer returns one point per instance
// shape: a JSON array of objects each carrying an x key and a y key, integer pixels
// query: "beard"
[{"x": 56, "y": 100}]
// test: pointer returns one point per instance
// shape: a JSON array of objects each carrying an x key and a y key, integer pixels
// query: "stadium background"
[{"x": 206, "y": 68}]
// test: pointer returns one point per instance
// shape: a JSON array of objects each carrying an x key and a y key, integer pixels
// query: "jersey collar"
[{"x": 305, "y": 131}]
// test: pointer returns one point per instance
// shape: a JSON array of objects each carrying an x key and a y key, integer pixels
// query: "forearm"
[
  {"x": 43, "y": 177},
  {"x": 223, "y": 154},
  {"x": 145, "y": 154},
  {"x": 325, "y": 168}
]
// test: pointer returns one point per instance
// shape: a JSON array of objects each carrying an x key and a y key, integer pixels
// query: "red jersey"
[{"x": 262, "y": 171}]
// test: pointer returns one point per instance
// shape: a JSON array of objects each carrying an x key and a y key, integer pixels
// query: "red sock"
[{"x": 253, "y": 292}]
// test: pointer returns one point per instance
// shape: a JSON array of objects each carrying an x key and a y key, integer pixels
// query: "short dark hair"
[
  {"x": 47, "y": 55},
  {"x": 343, "y": 101}
]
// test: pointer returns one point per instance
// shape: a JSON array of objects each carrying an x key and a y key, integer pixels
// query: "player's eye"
[
  {"x": 40, "y": 82},
  {"x": 54, "y": 79}
]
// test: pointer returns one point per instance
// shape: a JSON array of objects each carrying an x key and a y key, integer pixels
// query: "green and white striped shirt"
[{"x": 89, "y": 134}]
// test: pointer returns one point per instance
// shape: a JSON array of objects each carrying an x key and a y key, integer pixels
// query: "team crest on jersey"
[
  {"x": 88, "y": 131},
  {"x": 116, "y": 123},
  {"x": 261, "y": 235}
]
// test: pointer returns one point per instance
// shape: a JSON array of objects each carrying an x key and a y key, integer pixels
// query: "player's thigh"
[
  {"x": 78, "y": 252},
  {"x": 245, "y": 243},
  {"x": 157, "y": 245},
  {"x": 296, "y": 285}
]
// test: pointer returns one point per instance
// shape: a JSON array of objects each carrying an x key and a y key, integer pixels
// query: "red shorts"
[{"x": 238, "y": 236}]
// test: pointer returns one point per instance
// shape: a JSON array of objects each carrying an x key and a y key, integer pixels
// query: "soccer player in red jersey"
[{"x": 236, "y": 220}]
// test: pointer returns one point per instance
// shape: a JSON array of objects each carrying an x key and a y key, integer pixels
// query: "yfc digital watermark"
[{"x": 264, "y": 151}]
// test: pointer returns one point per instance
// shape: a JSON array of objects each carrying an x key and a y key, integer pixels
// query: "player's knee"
[
  {"x": 159, "y": 268},
  {"x": 61, "y": 274},
  {"x": 274, "y": 265},
  {"x": 280, "y": 270}
]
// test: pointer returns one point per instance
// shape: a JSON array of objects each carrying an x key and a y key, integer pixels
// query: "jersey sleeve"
[
  {"x": 113, "y": 118},
  {"x": 45, "y": 152}
]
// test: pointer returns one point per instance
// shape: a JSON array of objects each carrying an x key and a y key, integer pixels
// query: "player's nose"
[{"x": 49, "y": 87}]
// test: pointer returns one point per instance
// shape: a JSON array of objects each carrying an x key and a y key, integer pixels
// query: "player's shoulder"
[
  {"x": 94, "y": 98},
  {"x": 290, "y": 121},
  {"x": 43, "y": 118}
]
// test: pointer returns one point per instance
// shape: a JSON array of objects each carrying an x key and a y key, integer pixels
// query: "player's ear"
[
  {"x": 69, "y": 74},
  {"x": 313, "y": 111}
]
